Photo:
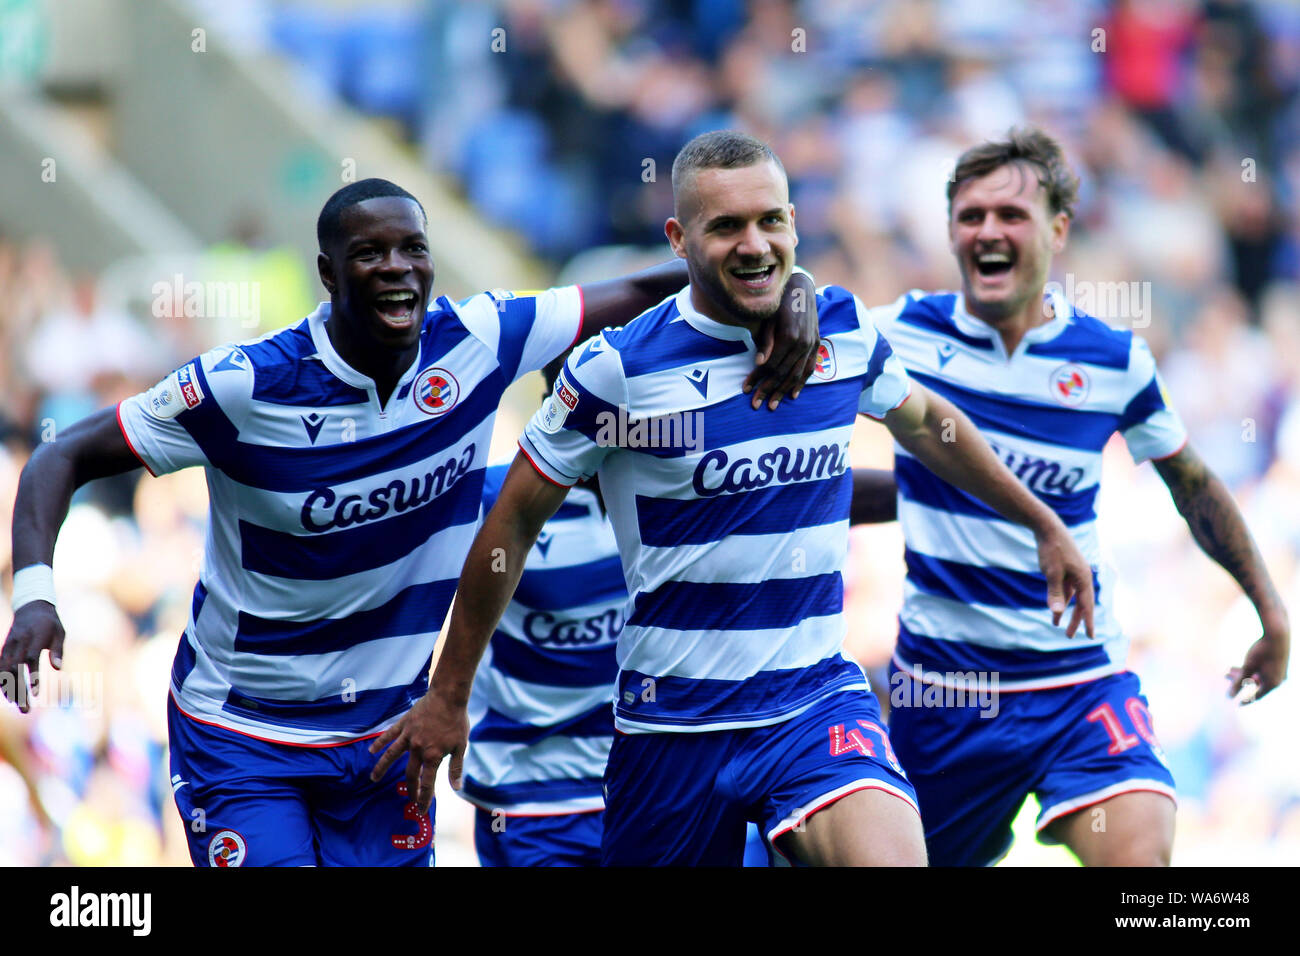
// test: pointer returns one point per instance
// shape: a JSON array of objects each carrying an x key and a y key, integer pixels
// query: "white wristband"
[{"x": 33, "y": 583}]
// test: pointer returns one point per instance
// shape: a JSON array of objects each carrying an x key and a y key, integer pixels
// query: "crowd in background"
[{"x": 1181, "y": 117}]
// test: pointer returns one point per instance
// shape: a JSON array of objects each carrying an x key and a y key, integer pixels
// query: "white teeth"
[
  {"x": 995, "y": 257},
  {"x": 396, "y": 296}
]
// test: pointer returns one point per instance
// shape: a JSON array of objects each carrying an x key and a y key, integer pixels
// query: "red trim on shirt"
[
  {"x": 557, "y": 484},
  {"x": 1047, "y": 683},
  {"x": 268, "y": 740},
  {"x": 127, "y": 437},
  {"x": 582, "y": 314},
  {"x": 1172, "y": 453},
  {"x": 894, "y": 409}
]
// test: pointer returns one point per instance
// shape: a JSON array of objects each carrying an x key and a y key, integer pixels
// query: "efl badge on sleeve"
[
  {"x": 176, "y": 393},
  {"x": 561, "y": 401}
]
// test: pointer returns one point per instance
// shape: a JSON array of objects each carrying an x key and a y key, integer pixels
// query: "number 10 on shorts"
[{"x": 1120, "y": 739}]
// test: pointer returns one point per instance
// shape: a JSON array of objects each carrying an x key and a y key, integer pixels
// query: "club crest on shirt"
[
  {"x": 226, "y": 848},
  {"x": 825, "y": 368},
  {"x": 435, "y": 391},
  {"x": 1069, "y": 385}
]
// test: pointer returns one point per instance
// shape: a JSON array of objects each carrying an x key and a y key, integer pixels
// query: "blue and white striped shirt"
[
  {"x": 974, "y": 599},
  {"x": 542, "y": 703},
  {"x": 337, "y": 527},
  {"x": 732, "y": 528}
]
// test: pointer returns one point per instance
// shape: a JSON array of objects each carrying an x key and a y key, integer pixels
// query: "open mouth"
[
  {"x": 755, "y": 277},
  {"x": 991, "y": 265},
  {"x": 396, "y": 307}
]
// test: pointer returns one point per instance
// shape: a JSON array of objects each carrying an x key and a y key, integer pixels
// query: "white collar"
[
  {"x": 1062, "y": 318},
  {"x": 331, "y": 359},
  {"x": 711, "y": 327}
]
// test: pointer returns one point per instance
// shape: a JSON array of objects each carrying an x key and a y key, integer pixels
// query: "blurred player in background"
[
  {"x": 541, "y": 704},
  {"x": 345, "y": 459},
  {"x": 1047, "y": 386},
  {"x": 733, "y": 681}
]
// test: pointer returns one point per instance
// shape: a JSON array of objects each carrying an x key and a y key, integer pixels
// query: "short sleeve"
[
  {"x": 526, "y": 329},
  {"x": 886, "y": 384},
  {"x": 577, "y": 425},
  {"x": 178, "y": 423},
  {"x": 1149, "y": 424},
  {"x": 883, "y": 317}
]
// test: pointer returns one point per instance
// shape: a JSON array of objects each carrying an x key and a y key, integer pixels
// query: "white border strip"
[
  {"x": 826, "y": 799},
  {"x": 1058, "y": 810}
]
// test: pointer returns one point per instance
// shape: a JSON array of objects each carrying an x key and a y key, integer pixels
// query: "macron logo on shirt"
[
  {"x": 593, "y": 349},
  {"x": 699, "y": 377},
  {"x": 313, "y": 423}
]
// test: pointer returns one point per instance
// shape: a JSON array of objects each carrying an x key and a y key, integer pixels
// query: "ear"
[
  {"x": 1060, "y": 232},
  {"x": 793, "y": 232},
  {"x": 676, "y": 234},
  {"x": 326, "y": 270}
]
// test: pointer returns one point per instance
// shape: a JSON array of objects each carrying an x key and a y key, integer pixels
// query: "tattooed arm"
[{"x": 1218, "y": 527}]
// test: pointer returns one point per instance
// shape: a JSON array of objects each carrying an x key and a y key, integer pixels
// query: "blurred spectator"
[{"x": 79, "y": 346}]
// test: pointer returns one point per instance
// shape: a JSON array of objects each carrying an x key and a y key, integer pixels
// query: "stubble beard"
[{"x": 716, "y": 290}]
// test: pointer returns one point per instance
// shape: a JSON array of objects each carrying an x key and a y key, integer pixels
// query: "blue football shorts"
[
  {"x": 683, "y": 799},
  {"x": 251, "y": 802},
  {"x": 756, "y": 854},
  {"x": 562, "y": 839},
  {"x": 974, "y": 765}
]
